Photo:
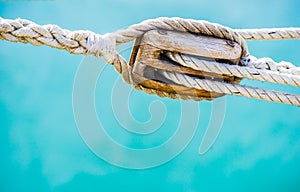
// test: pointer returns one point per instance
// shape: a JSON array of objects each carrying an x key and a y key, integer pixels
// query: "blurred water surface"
[{"x": 41, "y": 149}]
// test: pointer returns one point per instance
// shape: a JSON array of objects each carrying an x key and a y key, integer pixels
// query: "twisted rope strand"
[
  {"x": 269, "y": 34},
  {"x": 232, "y": 89},
  {"x": 234, "y": 70}
]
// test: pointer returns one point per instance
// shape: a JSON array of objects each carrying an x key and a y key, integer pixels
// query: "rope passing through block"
[
  {"x": 175, "y": 57},
  {"x": 149, "y": 60}
]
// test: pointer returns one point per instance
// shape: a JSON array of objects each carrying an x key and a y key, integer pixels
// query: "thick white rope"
[
  {"x": 21, "y": 30},
  {"x": 280, "y": 75},
  {"x": 86, "y": 42}
]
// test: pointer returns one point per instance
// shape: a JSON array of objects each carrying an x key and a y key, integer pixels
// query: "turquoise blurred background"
[{"x": 258, "y": 148}]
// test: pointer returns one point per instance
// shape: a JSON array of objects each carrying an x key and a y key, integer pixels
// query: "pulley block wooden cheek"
[{"x": 148, "y": 58}]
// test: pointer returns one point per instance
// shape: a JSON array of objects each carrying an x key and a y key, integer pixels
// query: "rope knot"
[
  {"x": 102, "y": 45},
  {"x": 269, "y": 64}
]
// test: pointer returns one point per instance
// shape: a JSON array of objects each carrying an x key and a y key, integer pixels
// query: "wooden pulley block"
[{"x": 148, "y": 59}]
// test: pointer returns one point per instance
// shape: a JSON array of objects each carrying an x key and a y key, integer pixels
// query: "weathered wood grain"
[
  {"x": 147, "y": 58},
  {"x": 192, "y": 44}
]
